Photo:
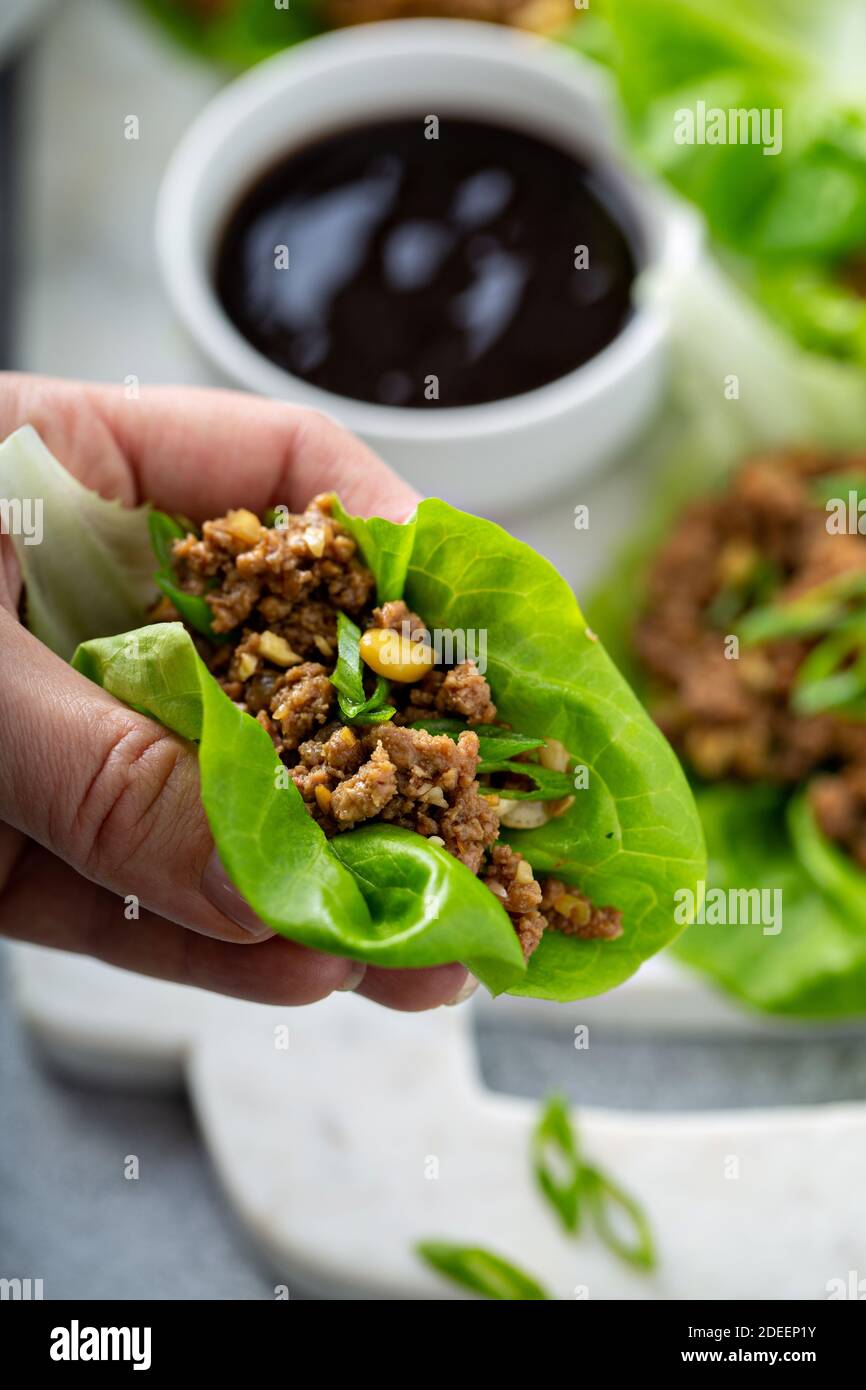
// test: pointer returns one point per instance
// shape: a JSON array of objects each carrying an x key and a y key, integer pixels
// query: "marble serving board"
[{"x": 343, "y": 1133}]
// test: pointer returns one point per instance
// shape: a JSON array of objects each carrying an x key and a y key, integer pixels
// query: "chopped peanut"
[
  {"x": 435, "y": 797},
  {"x": 523, "y": 815},
  {"x": 323, "y": 799},
  {"x": 276, "y": 649},
  {"x": 314, "y": 539},
  {"x": 243, "y": 525},
  {"x": 247, "y": 665},
  {"x": 554, "y": 755}
]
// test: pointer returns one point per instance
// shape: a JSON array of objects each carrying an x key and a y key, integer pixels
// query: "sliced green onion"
[{"x": 480, "y": 1270}]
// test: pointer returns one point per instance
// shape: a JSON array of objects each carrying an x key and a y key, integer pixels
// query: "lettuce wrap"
[
  {"x": 759, "y": 836},
  {"x": 381, "y": 893},
  {"x": 790, "y": 223}
]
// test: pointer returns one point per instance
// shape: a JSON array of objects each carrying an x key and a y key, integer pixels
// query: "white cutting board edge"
[{"x": 324, "y": 1149}]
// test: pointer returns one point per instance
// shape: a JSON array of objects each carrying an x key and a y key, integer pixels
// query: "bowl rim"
[{"x": 189, "y": 282}]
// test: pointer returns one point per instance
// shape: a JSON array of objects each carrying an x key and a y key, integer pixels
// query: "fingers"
[
  {"x": 48, "y": 904},
  {"x": 108, "y": 790},
  {"x": 410, "y": 991},
  {"x": 200, "y": 452}
]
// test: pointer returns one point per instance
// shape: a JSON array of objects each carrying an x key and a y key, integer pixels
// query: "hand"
[{"x": 98, "y": 802}]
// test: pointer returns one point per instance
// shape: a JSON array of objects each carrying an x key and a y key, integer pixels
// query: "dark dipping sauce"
[{"x": 411, "y": 259}]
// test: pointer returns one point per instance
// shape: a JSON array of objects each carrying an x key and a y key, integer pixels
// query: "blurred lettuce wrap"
[
  {"x": 381, "y": 893},
  {"x": 238, "y": 33},
  {"x": 790, "y": 222},
  {"x": 762, "y": 830}
]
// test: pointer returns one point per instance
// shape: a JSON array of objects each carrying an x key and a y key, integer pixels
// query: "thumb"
[{"x": 110, "y": 791}]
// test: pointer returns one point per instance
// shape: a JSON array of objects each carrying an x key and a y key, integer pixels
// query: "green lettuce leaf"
[
  {"x": 92, "y": 571},
  {"x": 379, "y": 894},
  {"x": 386, "y": 547},
  {"x": 631, "y": 838},
  {"x": 830, "y": 868},
  {"x": 815, "y": 967}
]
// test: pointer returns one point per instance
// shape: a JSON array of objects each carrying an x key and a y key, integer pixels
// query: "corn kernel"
[
  {"x": 398, "y": 659},
  {"x": 323, "y": 798}
]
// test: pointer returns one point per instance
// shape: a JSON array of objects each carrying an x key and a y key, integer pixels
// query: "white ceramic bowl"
[{"x": 490, "y": 457}]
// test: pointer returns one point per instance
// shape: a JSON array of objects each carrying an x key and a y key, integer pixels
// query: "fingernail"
[
  {"x": 466, "y": 991},
  {"x": 221, "y": 892},
  {"x": 357, "y": 971}
]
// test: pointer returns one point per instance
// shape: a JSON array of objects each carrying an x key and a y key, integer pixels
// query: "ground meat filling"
[
  {"x": 462, "y": 692},
  {"x": 839, "y": 803},
  {"x": 510, "y": 877},
  {"x": 291, "y": 578},
  {"x": 571, "y": 912},
  {"x": 277, "y": 590},
  {"x": 764, "y": 539}
]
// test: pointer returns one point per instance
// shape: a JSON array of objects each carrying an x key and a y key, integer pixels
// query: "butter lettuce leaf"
[
  {"x": 386, "y": 547},
  {"x": 815, "y": 966},
  {"x": 381, "y": 894},
  {"x": 91, "y": 571}
]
